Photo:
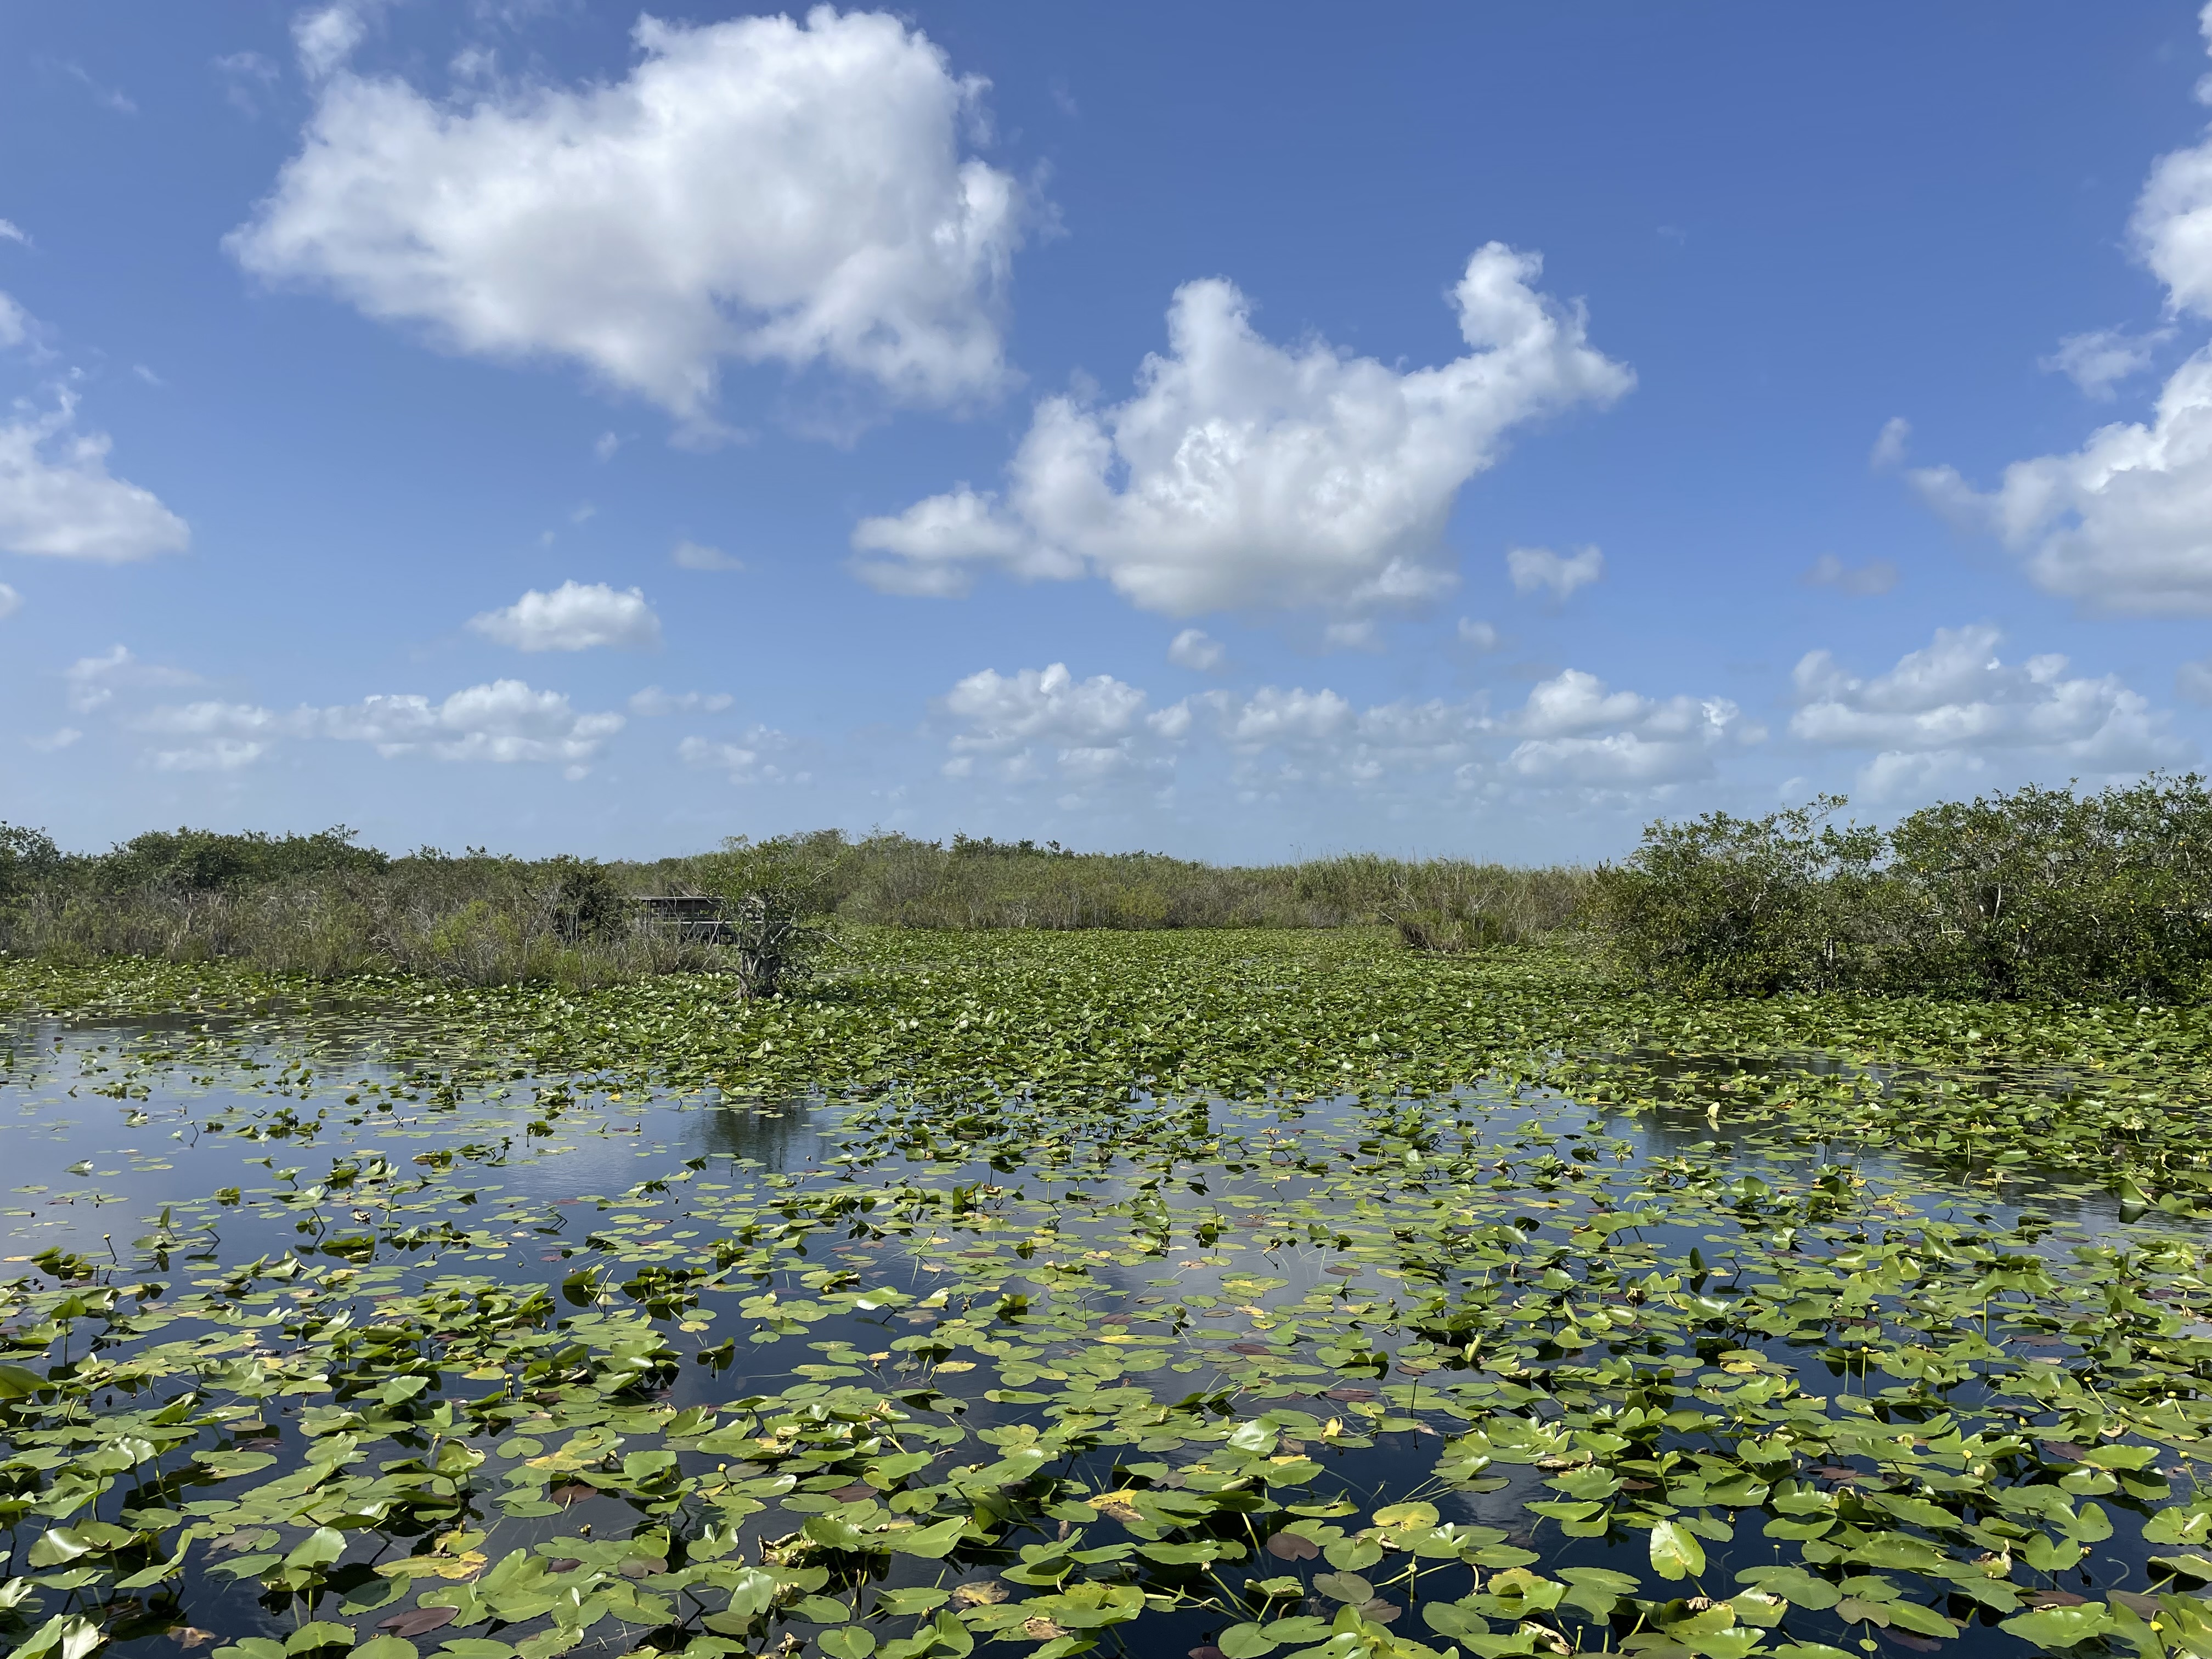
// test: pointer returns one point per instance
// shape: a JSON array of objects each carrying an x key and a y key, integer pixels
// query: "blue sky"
[{"x": 1238, "y": 432}]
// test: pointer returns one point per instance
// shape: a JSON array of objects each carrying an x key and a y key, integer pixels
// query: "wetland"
[{"x": 1233, "y": 1292}]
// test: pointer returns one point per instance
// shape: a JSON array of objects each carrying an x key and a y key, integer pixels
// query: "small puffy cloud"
[
  {"x": 1005, "y": 711},
  {"x": 1357, "y": 633},
  {"x": 1297, "y": 717},
  {"x": 654, "y": 703},
  {"x": 1944, "y": 710},
  {"x": 1538, "y": 570},
  {"x": 58, "y": 499},
  {"x": 1888, "y": 449},
  {"x": 200, "y": 720},
  {"x": 2192, "y": 682},
  {"x": 1478, "y": 635},
  {"x": 573, "y": 617},
  {"x": 762, "y": 189},
  {"x": 697, "y": 555},
  {"x": 743, "y": 762},
  {"x": 604, "y": 445},
  {"x": 10, "y": 601},
  {"x": 1088, "y": 729},
  {"x": 1575, "y": 731},
  {"x": 92, "y": 682},
  {"x": 16, "y": 323},
  {"x": 1196, "y": 649},
  {"x": 325, "y": 36},
  {"x": 2099, "y": 360},
  {"x": 504, "y": 722},
  {"x": 54, "y": 741},
  {"x": 230, "y": 736},
  {"x": 1859, "y": 581},
  {"x": 1243, "y": 475},
  {"x": 216, "y": 755},
  {"x": 11, "y": 232}
]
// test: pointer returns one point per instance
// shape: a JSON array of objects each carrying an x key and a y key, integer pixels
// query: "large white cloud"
[
  {"x": 1953, "y": 708},
  {"x": 503, "y": 722},
  {"x": 1244, "y": 475},
  {"x": 763, "y": 189},
  {"x": 2124, "y": 523},
  {"x": 58, "y": 498},
  {"x": 573, "y": 617}
]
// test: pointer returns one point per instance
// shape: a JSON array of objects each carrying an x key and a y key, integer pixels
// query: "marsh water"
[{"x": 1494, "y": 1369}]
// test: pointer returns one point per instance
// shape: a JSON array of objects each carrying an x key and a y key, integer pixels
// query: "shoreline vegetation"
[{"x": 2035, "y": 894}]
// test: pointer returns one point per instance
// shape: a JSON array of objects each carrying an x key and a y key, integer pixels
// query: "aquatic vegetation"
[{"x": 1228, "y": 1293}]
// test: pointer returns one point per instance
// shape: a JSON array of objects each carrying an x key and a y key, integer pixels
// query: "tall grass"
[
  {"x": 324, "y": 905},
  {"x": 896, "y": 881}
]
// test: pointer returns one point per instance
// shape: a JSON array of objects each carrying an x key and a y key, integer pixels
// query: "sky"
[{"x": 1247, "y": 432}]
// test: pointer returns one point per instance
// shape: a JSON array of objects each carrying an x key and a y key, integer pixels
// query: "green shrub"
[
  {"x": 1725, "y": 906},
  {"x": 2033, "y": 893},
  {"x": 772, "y": 893},
  {"x": 2045, "y": 893},
  {"x": 1452, "y": 931},
  {"x": 28, "y": 858}
]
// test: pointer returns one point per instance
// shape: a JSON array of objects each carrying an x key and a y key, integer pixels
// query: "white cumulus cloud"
[
  {"x": 761, "y": 190},
  {"x": 59, "y": 499},
  {"x": 573, "y": 617},
  {"x": 2124, "y": 523},
  {"x": 1574, "y": 730},
  {"x": 503, "y": 722},
  {"x": 10, "y": 601},
  {"x": 1538, "y": 570},
  {"x": 1244, "y": 475},
  {"x": 1945, "y": 710}
]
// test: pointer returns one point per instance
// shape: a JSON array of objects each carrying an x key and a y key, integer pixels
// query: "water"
[{"x": 169, "y": 1154}]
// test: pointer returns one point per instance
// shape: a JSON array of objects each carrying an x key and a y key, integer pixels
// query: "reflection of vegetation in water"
[{"x": 1149, "y": 1293}]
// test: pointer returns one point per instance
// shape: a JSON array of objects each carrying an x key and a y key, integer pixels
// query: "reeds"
[{"x": 481, "y": 920}]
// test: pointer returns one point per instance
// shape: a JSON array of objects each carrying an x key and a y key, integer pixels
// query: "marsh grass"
[{"x": 325, "y": 907}]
